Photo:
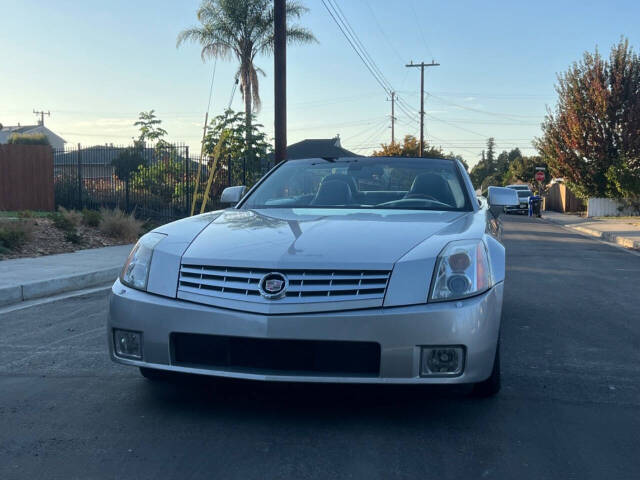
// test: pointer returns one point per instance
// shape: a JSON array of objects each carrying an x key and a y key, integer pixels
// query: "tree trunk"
[{"x": 247, "y": 107}]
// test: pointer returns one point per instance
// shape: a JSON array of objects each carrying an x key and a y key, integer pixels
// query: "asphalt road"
[{"x": 569, "y": 408}]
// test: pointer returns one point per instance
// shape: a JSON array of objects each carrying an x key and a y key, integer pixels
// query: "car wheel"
[
  {"x": 152, "y": 373},
  {"x": 491, "y": 385}
]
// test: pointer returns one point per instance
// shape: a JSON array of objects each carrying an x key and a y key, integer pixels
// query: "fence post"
[
  {"x": 126, "y": 193},
  {"x": 80, "y": 181},
  {"x": 229, "y": 171},
  {"x": 187, "y": 182}
]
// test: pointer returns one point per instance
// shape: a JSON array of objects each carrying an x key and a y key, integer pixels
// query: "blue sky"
[{"x": 96, "y": 64}]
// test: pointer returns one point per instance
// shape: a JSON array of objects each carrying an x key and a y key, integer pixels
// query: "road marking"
[{"x": 40, "y": 350}]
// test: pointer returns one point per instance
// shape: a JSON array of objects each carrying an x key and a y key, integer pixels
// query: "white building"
[{"x": 56, "y": 141}]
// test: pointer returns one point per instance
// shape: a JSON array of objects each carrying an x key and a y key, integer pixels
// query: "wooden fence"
[
  {"x": 561, "y": 199},
  {"x": 26, "y": 177}
]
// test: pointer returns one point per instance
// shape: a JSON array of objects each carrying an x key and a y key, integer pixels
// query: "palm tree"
[{"x": 244, "y": 29}]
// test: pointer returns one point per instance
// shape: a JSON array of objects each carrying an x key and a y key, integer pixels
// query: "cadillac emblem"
[{"x": 273, "y": 285}]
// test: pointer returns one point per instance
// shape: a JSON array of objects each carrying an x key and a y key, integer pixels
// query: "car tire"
[
  {"x": 491, "y": 386},
  {"x": 152, "y": 373}
]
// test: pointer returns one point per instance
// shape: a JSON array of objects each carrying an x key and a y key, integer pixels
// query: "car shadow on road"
[{"x": 245, "y": 400}]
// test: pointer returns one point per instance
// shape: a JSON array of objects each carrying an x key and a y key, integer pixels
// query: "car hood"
[{"x": 314, "y": 238}]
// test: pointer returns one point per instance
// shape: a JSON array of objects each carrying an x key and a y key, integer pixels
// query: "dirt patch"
[{"x": 47, "y": 240}]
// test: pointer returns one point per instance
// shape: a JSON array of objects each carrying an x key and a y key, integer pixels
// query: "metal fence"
[{"x": 152, "y": 182}]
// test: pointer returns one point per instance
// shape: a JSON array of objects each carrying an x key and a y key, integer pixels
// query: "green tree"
[
  {"x": 244, "y": 29},
  {"x": 522, "y": 169},
  {"x": 479, "y": 171},
  {"x": 244, "y": 155},
  {"x": 486, "y": 172},
  {"x": 410, "y": 147},
  {"x": 127, "y": 162},
  {"x": 592, "y": 138},
  {"x": 149, "y": 126},
  {"x": 491, "y": 155}
]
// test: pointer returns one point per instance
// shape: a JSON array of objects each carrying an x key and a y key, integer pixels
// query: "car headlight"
[
  {"x": 462, "y": 270},
  {"x": 135, "y": 273}
]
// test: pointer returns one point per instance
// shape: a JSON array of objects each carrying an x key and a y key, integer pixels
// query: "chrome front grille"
[{"x": 305, "y": 286}]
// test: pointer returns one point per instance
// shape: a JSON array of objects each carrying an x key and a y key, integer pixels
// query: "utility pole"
[
  {"x": 393, "y": 117},
  {"x": 280, "y": 78},
  {"x": 422, "y": 65},
  {"x": 42, "y": 114}
]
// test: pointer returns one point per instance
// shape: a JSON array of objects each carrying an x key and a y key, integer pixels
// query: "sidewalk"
[
  {"x": 622, "y": 231},
  {"x": 28, "y": 278}
]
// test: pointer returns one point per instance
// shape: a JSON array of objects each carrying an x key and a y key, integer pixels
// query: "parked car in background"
[
  {"x": 524, "y": 193},
  {"x": 359, "y": 270}
]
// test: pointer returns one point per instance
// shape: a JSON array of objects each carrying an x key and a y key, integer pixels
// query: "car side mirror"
[
  {"x": 500, "y": 197},
  {"x": 232, "y": 195}
]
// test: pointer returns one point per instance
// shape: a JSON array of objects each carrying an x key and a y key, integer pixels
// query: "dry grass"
[
  {"x": 119, "y": 225},
  {"x": 74, "y": 217},
  {"x": 14, "y": 234},
  {"x": 91, "y": 218}
]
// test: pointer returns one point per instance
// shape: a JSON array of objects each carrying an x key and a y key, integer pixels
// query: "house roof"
[
  {"x": 99, "y": 155},
  {"x": 317, "y": 147},
  {"x": 9, "y": 130},
  {"x": 20, "y": 128},
  {"x": 104, "y": 155}
]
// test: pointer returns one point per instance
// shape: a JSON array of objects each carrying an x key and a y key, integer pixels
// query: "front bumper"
[
  {"x": 521, "y": 208},
  {"x": 400, "y": 331}
]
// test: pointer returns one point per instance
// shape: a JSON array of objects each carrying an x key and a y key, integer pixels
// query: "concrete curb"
[
  {"x": 52, "y": 286},
  {"x": 608, "y": 236},
  {"x": 620, "y": 240}
]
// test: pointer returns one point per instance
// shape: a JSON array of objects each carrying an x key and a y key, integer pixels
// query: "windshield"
[
  {"x": 377, "y": 183},
  {"x": 524, "y": 193}
]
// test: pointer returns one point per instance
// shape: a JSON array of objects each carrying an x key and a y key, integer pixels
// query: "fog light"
[
  {"x": 441, "y": 361},
  {"x": 127, "y": 344}
]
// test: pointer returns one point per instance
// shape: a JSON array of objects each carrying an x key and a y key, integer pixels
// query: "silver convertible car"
[{"x": 360, "y": 270}]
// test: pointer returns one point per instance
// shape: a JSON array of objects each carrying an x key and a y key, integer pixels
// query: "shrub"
[
  {"x": 72, "y": 236},
  {"x": 26, "y": 214},
  {"x": 66, "y": 220},
  {"x": 91, "y": 218},
  {"x": 74, "y": 217},
  {"x": 14, "y": 234},
  {"x": 29, "y": 139},
  {"x": 119, "y": 225},
  {"x": 61, "y": 222}
]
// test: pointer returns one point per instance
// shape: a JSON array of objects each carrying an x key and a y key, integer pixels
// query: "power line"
[
  {"x": 368, "y": 129},
  {"x": 233, "y": 92},
  {"x": 456, "y": 126},
  {"x": 361, "y": 45},
  {"x": 370, "y": 138},
  {"x": 484, "y": 112},
  {"x": 353, "y": 46},
  {"x": 416, "y": 18},
  {"x": 213, "y": 76},
  {"x": 384, "y": 35}
]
